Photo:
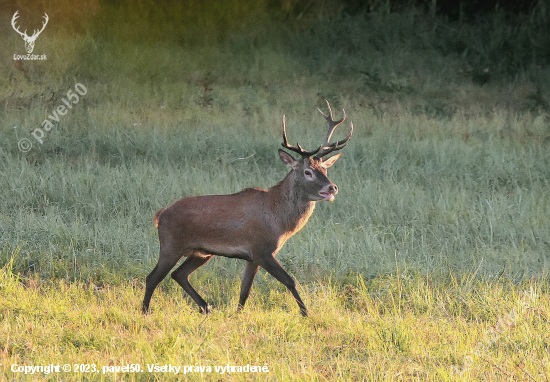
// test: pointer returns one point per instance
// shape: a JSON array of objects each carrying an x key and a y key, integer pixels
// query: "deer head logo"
[{"x": 29, "y": 40}]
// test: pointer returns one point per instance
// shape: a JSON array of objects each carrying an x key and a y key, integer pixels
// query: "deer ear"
[
  {"x": 330, "y": 161},
  {"x": 287, "y": 158}
]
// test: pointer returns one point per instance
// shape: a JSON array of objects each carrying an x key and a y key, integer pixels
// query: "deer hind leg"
[
  {"x": 165, "y": 263},
  {"x": 181, "y": 275},
  {"x": 248, "y": 278}
]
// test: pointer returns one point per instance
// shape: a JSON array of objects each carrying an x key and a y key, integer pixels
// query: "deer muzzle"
[{"x": 329, "y": 192}]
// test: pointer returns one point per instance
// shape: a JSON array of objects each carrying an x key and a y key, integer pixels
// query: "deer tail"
[{"x": 157, "y": 216}]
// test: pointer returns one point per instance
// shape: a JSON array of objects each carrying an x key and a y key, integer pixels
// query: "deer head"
[
  {"x": 29, "y": 40},
  {"x": 311, "y": 168}
]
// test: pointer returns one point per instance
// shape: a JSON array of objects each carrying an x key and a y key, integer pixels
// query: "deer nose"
[{"x": 333, "y": 189}]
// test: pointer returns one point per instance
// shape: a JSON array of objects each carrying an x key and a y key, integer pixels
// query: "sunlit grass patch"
[{"x": 400, "y": 325}]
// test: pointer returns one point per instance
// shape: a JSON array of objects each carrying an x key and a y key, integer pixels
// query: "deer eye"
[{"x": 308, "y": 172}]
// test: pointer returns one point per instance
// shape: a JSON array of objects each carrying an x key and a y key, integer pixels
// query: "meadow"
[{"x": 431, "y": 264}]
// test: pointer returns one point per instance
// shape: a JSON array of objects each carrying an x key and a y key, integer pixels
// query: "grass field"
[
  {"x": 397, "y": 327},
  {"x": 431, "y": 264}
]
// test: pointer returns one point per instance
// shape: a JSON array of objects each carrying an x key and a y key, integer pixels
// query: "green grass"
[
  {"x": 81, "y": 204},
  {"x": 432, "y": 246},
  {"x": 432, "y": 263}
]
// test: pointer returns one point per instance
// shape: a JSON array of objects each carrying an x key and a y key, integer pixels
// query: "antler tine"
[
  {"x": 297, "y": 149},
  {"x": 339, "y": 145},
  {"x": 44, "y": 23},
  {"x": 329, "y": 111},
  {"x": 331, "y": 123},
  {"x": 13, "y": 19},
  {"x": 336, "y": 145},
  {"x": 285, "y": 141}
]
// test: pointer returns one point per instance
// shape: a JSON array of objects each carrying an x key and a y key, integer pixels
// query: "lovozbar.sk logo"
[{"x": 29, "y": 40}]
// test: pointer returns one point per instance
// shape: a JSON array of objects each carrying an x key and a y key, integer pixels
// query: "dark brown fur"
[{"x": 251, "y": 225}]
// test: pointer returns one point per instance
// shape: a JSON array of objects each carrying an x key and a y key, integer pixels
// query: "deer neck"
[{"x": 289, "y": 205}]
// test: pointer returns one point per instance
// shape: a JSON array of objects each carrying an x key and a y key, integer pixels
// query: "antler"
[
  {"x": 327, "y": 147},
  {"x": 15, "y": 16},
  {"x": 43, "y": 25},
  {"x": 297, "y": 149},
  {"x": 24, "y": 34}
]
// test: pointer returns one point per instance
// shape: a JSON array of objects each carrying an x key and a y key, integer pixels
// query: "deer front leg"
[
  {"x": 246, "y": 284},
  {"x": 271, "y": 265}
]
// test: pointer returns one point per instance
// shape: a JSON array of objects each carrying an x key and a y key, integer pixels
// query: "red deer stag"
[{"x": 251, "y": 225}]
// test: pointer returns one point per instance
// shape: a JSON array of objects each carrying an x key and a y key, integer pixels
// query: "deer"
[
  {"x": 29, "y": 40},
  {"x": 251, "y": 225}
]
